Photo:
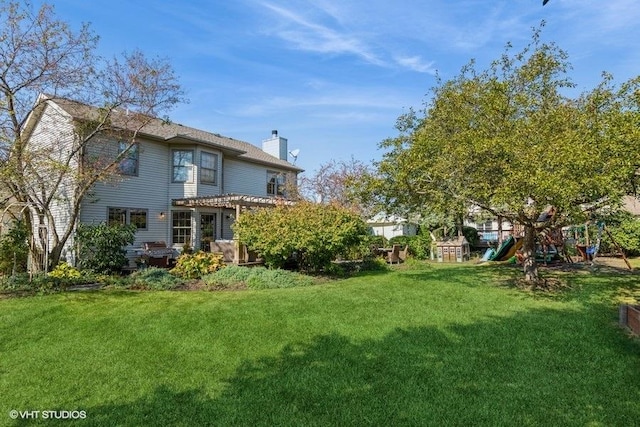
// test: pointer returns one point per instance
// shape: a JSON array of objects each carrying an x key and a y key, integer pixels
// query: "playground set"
[{"x": 553, "y": 245}]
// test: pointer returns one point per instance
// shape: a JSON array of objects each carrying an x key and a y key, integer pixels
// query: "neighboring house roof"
[
  {"x": 384, "y": 219},
  {"x": 157, "y": 129}
]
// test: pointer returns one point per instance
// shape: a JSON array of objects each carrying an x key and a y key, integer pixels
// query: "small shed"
[{"x": 453, "y": 250}]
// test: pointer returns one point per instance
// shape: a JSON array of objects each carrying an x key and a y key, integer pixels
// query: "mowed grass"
[{"x": 441, "y": 345}]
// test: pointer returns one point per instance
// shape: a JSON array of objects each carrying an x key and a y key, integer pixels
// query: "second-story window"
[
  {"x": 182, "y": 165},
  {"x": 275, "y": 183},
  {"x": 129, "y": 162},
  {"x": 208, "y": 168}
]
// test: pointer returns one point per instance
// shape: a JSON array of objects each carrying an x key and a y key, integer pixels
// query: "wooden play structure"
[{"x": 588, "y": 248}]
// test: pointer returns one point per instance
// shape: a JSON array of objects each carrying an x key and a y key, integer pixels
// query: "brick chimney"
[{"x": 276, "y": 146}]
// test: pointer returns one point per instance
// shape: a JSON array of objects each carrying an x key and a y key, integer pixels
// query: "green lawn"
[{"x": 442, "y": 345}]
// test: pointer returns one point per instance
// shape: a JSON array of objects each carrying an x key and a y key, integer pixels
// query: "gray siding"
[
  {"x": 51, "y": 142},
  {"x": 148, "y": 190},
  {"x": 244, "y": 178}
]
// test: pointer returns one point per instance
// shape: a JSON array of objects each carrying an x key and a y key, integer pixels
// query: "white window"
[
  {"x": 275, "y": 183},
  {"x": 182, "y": 165},
  {"x": 181, "y": 227},
  {"x": 208, "y": 168}
]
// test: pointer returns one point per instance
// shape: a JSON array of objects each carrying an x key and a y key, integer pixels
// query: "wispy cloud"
[
  {"x": 416, "y": 63},
  {"x": 335, "y": 102},
  {"x": 306, "y": 35}
]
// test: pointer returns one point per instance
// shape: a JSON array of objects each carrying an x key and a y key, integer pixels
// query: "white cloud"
[
  {"x": 307, "y": 35},
  {"x": 416, "y": 63}
]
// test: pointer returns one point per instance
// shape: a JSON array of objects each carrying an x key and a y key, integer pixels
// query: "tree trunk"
[{"x": 529, "y": 265}]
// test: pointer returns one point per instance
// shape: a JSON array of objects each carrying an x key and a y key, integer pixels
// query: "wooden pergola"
[{"x": 233, "y": 201}]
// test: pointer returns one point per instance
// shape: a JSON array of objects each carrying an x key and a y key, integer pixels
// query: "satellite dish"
[{"x": 294, "y": 154}]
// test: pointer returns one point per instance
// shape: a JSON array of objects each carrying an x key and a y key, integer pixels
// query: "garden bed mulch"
[{"x": 86, "y": 287}]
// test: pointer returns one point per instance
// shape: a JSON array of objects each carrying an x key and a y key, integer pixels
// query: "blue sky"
[{"x": 332, "y": 76}]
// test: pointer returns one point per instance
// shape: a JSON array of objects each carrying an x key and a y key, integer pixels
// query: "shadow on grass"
[
  {"x": 597, "y": 288},
  {"x": 544, "y": 367},
  {"x": 464, "y": 274}
]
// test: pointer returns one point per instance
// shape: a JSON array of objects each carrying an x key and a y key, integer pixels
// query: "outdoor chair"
[
  {"x": 393, "y": 256},
  {"x": 403, "y": 254}
]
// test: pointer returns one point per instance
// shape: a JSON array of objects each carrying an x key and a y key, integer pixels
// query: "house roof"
[
  {"x": 385, "y": 219},
  {"x": 175, "y": 133}
]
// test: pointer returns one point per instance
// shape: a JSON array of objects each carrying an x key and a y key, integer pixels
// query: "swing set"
[{"x": 589, "y": 250}]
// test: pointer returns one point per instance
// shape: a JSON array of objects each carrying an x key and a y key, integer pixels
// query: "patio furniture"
[
  {"x": 393, "y": 256},
  {"x": 403, "y": 254},
  {"x": 157, "y": 253}
]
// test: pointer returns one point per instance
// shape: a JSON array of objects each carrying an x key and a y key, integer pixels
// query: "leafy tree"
[
  {"x": 627, "y": 235},
  {"x": 336, "y": 182},
  {"x": 510, "y": 141},
  {"x": 40, "y": 54},
  {"x": 317, "y": 233}
]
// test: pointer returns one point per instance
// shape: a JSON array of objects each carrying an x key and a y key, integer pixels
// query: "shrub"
[
  {"x": 315, "y": 233},
  {"x": 374, "y": 264},
  {"x": 274, "y": 279},
  {"x": 101, "y": 246},
  {"x": 419, "y": 245},
  {"x": 153, "y": 278},
  {"x": 61, "y": 277},
  {"x": 196, "y": 265},
  {"x": 16, "y": 282},
  {"x": 64, "y": 271},
  {"x": 14, "y": 249},
  {"x": 471, "y": 234},
  {"x": 257, "y": 278},
  {"x": 627, "y": 235},
  {"x": 379, "y": 241},
  {"x": 229, "y": 276}
]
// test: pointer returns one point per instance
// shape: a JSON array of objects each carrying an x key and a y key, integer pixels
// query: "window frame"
[
  {"x": 188, "y": 167},
  {"x": 185, "y": 236},
  {"x": 275, "y": 188},
  {"x": 125, "y": 214},
  {"x": 203, "y": 226},
  {"x": 214, "y": 169},
  {"x": 132, "y": 155}
]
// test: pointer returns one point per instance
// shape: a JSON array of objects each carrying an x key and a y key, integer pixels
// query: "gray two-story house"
[{"x": 177, "y": 184}]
